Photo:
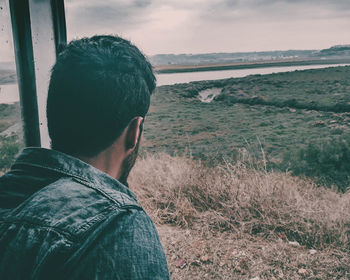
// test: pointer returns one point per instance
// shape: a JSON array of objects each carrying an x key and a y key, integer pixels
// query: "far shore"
[
  {"x": 167, "y": 69},
  {"x": 7, "y": 77}
]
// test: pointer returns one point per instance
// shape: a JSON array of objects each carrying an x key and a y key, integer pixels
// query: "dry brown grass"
[{"x": 230, "y": 222}]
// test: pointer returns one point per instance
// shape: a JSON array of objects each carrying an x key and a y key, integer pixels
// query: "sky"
[
  {"x": 205, "y": 26},
  {"x": 202, "y": 26}
]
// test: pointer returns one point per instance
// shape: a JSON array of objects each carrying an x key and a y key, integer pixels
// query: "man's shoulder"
[
  {"x": 129, "y": 248},
  {"x": 81, "y": 230},
  {"x": 73, "y": 206}
]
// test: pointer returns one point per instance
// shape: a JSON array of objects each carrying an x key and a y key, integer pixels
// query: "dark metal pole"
[
  {"x": 22, "y": 38},
  {"x": 59, "y": 24}
]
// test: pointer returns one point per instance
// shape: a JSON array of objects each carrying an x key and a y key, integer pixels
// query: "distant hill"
[
  {"x": 211, "y": 58},
  {"x": 334, "y": 52},
  {"x": 338, "y": 51}
]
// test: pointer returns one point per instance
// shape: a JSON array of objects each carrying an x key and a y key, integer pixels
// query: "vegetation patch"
[
  {"x": 233, "y": 222},
  {"x": 9, "y": 148},
  {"x": 268, "y": 117},
  {"x": 327, "y": 161}
]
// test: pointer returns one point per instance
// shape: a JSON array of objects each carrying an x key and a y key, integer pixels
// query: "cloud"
[
  {"x": 110, "y": 15},
  {"x": 127, "y": 14},
  {"x": 337, "y": 4},
  {"x": 159, "y": 26},
  {"x": 276, "y": 9},
  {"x": 183, "y": 26}
]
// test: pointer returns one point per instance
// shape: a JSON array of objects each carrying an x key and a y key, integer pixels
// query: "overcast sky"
[{"x": 201, "y": 26}]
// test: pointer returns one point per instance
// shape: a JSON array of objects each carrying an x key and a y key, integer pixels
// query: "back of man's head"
[{"x": 98, "y": 85}]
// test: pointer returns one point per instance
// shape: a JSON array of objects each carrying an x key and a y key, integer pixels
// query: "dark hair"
[{"x": 98, "y": 85}]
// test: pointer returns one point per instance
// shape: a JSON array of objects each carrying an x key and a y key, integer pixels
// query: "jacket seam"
[
  {"x": 85, "y": 183},
  {"x": 97, "y": 218},
  {"x": 79, "y": 179},
  {"x": 51, "y": 168},
  {"x": 69, "y": 236}
]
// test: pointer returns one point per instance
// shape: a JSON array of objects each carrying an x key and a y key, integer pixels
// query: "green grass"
[
  {"x": 179, "y": 122},
  {"x": 9, "y": 149},
  {"x": 10, "y": 145}
]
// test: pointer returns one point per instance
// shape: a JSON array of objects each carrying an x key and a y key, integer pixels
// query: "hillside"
[
  {"x": 339, "y": 51},
  {"x": 222, "y": 207},
  {"x": 274, "y": 116},
  {"x": 230, "y": 222}
]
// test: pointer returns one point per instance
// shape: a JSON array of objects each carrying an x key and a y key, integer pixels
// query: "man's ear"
[{"x": 134, "y": 129}]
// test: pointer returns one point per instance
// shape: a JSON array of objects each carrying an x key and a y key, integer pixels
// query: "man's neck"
[{"x": 108, "y": 161}]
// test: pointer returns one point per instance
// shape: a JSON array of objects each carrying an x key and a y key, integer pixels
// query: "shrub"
[
  {"x": 327, "y": 161},
  {"x": 9, "y": 148}
]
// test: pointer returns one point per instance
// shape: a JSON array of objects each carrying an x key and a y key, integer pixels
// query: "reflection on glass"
[{"x": 11, "y": 136}]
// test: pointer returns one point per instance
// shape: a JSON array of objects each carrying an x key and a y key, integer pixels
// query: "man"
[{"x": 67, "y": 213}]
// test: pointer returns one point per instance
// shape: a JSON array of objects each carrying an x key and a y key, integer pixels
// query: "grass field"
[{"x": 263, "y": 116}]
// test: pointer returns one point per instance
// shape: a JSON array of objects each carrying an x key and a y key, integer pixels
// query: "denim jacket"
[{"x": 61, "y": 218}]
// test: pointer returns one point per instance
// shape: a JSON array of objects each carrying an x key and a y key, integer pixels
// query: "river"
[
  {"x": 9, "y": 92},
  {"x": 174, "y": 78}
]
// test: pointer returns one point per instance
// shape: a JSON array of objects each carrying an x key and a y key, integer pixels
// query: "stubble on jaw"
[{"x": 128, "y": 163}]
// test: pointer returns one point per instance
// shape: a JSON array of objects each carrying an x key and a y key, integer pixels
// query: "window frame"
[{"x": 22, "y": 29}]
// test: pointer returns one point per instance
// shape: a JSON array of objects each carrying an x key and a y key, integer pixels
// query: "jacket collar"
[{"x": 70, "y": 166}]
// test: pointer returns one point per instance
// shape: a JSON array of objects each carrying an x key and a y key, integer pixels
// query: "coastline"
[{"x": 168, "y": 69}]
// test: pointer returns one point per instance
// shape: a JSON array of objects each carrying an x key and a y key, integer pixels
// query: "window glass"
[{"x": 11, "y": 136}]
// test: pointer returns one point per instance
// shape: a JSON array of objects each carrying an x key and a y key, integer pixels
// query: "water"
[
  {"x": 208, "y": 95},
  {"x": 174, "y": 78}
]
